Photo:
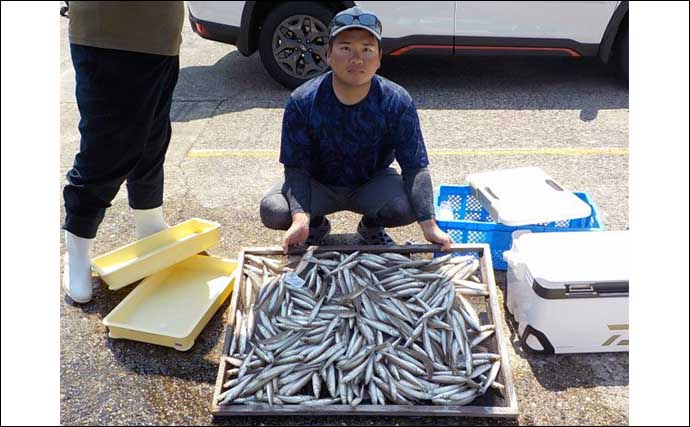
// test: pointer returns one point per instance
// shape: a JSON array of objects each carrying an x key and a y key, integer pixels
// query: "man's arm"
[
  {"x": 297, "y": 190},
  {"x": 412, "y": 157},
  {"x": 419, "y": 190},
  {"x": 410, "y": 153},
  {"x": 295, "y": 152}
]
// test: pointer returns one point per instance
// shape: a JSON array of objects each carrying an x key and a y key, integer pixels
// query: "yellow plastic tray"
[
  {"x": 171, "y": 307},
  {"x": 122, "y": 266}
]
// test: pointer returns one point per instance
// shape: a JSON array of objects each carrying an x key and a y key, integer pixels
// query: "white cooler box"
[{"x": 569, "y": 291}]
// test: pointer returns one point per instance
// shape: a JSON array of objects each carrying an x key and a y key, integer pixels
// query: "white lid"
[
  {"x": 525, "y": 196},
  {"x": 576, "y": 256}
]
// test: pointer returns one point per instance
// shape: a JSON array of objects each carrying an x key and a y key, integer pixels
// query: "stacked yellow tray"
[
  {"x": 181, "y": 290},
  {"x": 172, "y": 306},
  {"x": 125, "y": 265}
]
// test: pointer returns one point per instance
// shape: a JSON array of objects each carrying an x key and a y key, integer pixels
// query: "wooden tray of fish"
[{"x": 365, "y": 330}]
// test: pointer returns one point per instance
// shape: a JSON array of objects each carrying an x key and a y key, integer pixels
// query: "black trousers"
[{"x": 124, "y": 100}]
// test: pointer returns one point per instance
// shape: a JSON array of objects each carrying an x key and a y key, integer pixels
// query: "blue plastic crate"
[{"x": 472, "y": 223}]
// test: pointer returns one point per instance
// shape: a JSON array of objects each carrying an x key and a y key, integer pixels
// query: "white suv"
[{"x": 292, "y": 36}]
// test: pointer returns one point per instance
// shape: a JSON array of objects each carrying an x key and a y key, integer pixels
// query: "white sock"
[
  {"x": 77, "y": 271},
  {"x": 149, "y": 221}
]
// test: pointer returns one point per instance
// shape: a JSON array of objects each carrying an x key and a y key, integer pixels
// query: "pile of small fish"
[{"x": 359, "y": 327}]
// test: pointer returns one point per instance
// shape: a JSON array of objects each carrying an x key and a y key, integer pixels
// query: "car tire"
[
  {"x": 621, "y": 56},
  {"x": 271, "y": 36}
]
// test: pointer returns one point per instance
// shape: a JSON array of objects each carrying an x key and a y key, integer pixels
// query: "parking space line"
[{"x": 435, "y": 153}]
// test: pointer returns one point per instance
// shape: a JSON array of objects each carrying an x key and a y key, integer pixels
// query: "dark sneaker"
[
  {"x": 374, "y": 235},
  {"x": 318, "y": 233}
]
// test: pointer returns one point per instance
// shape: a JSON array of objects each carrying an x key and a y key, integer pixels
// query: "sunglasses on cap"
[{"x": 365, "y": 19}]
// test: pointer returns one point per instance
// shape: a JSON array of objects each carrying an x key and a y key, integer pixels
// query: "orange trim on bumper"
[
  {"x": 555, "y": 49},
  {"x": 406, "y": 49}
]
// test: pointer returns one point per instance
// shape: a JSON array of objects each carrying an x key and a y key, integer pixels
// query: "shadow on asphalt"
[
  {"x": 198, "y": 363},
  {"x": 239, "y": 83}
]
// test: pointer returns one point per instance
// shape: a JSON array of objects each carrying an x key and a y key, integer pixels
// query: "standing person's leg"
[
  {"x": 383, "y": 202},
  {"x": 275, "y": 211},
  {"x": 145, "y": 181},
  {"x": 115, "y": 100},
  {"x": 98, "y": 169}
]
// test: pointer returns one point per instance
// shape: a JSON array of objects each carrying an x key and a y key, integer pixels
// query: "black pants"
[{"x": 124, "y": 100}]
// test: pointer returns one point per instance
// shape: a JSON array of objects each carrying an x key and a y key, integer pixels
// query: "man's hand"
[
  {"x": 435, "y": 235},
  {"x": 298, "y": 232}
]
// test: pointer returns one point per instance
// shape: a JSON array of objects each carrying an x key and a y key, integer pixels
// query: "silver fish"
[{"x": 374, "y": 328}]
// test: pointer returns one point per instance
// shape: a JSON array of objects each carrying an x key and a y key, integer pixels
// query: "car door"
[
  {"x": 572, "y": 28},
  {"x": 411, "y": 27}
]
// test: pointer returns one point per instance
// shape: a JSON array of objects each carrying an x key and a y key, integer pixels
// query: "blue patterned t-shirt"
[{"x": 345, "y": 145}]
